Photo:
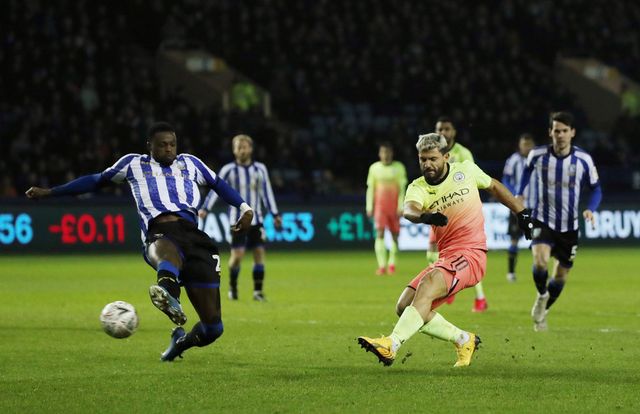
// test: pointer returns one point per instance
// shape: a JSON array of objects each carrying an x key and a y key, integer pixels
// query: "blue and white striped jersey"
[
  {"x": 512, "y": 178},
  {"x": 560, "y": 181},
  {"x": 159, "y": 189},
  {"x": 253, "y": 184}
]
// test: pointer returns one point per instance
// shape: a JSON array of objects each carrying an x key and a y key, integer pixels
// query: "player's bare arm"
[
  {"x": 37, "y": 192},
  {"x": 515, "y": 204},
  {"x": 413, "y": 212},
  {"x": 503, "y": 195}
]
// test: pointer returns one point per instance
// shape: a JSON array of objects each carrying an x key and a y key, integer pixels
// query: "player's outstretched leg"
[
  {"x": 206, "y": 301},
  {"x": 162, "y": 300},
  {"x": 465, "y": 342}
]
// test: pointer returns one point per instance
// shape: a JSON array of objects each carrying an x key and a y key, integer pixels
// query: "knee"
[
  {"x": 540, "y": 262},
  {"x": 211, "y": 332}
]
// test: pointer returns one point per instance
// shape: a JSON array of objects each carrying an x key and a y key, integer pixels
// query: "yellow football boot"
[
  {"x": 382, "y": 347},
  {"x": 466, "y": 351}
]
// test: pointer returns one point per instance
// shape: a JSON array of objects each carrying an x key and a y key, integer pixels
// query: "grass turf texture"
[{"x": 298, "y": 353}]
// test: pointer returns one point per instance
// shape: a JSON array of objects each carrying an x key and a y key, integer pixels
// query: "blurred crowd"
[{"x": 80, "y": 87}]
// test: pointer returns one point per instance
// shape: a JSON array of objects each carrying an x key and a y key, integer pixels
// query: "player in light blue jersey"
[
  {"x": 561, "y": 171},
  {"x": 511, "y": 178},
  {"x": 164, "y": 185},
  {"x": 251, "y": 179}
]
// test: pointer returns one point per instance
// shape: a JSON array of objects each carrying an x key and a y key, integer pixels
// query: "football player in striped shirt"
[
  {"x": 561, "y": 171},
  {"x": 164, "y": 185},
  {"x": 511, "y": 177},
  {"x": 251, "y": 179},
  {"x": 457, "y": 153},
  {"x": 386, "y": 183}
]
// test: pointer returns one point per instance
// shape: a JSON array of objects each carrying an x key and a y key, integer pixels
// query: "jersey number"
[{"x": 216, "y": 257}]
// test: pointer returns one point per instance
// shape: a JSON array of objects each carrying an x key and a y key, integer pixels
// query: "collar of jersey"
[
  {"x": 564, "y": 156},
  {"x": 443, "y": 178}
]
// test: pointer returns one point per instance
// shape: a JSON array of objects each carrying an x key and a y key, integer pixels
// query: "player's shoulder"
[
  {"x": 582, "y": 154},
  {"x": 463, "y": 165},
  {"x": 186, "y": 156},
  {"x": 260, "y": 165},
  {"x": 419, "y": 182}
]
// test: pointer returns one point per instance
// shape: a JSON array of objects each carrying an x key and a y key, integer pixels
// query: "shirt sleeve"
[
  {"x": 416, "y": 194},
  {"x": 204, "y": 175},
  {"x": 117, "y": 173},
  {"x": 483, "y": 180}
]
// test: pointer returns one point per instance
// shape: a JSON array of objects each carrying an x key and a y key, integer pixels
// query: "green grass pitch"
[{"x": 298, "y": 353}]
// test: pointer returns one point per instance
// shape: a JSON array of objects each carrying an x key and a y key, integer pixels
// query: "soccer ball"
[{"x": 119, "y": 319}]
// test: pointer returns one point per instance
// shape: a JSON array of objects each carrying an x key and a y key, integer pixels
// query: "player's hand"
[
  {"x": 37, "y": 192},
  {"x": 588, "y": 216},
  {"x": 436, "y": 219},
  {"x": 524, "y": 222},
  {"x": 243, "y": 224},
  {"x": 277, "y": 221},
  {"x": 202, "y": 213},
  {"x": 369, "y": 213}
]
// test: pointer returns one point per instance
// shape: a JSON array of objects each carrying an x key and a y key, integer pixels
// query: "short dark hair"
[
  {"x": 159, "y": 127},
  {"x": 527, "y": 136},
  {"x": 386, "y": 144},
  {"x": 445, "y": 118},
  {"x": 561, "y": 116}
]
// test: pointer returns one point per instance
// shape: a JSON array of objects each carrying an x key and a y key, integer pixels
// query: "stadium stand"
[{"x": 80, "y": 83}]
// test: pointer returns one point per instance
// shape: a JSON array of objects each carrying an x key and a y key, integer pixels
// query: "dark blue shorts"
[
  {"x": 563, "y": 244},
  {"x": 200, "y": 258},
  {"x": 255, "y": 237}
]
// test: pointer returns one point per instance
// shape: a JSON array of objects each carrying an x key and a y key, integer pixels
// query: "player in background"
[
  {"x": 164, "y": 185},
  {"x": 386, "y": 184},
  {"x": 251, "y": 179},
  {"x": 446, "y": 197},
  {"x": 561, "y": 171},
  {"x": 457, "y": 153},
  {"x": 511, "y": 177}
]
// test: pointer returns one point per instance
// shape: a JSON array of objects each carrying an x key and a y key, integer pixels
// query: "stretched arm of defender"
[{"x": 81, "y": 185}]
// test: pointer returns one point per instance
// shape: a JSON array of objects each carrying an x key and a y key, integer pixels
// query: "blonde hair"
[
  {"x": 240, "y": 138},
  {"x": 427, "y": 142}
]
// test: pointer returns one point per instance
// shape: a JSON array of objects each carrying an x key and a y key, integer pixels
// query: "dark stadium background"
[{"x": 316, "y": 83}]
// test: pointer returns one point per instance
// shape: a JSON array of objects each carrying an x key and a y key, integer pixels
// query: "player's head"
[
  {"x": 526, "y": 144},
  {"x": 433, "y": 156},
  {"x": 242, "y": 148},
  {"x": 385, "y": 152},
  {"x": 446, "y": 127},
  {"x": 561, "y": 130},
  {"x": 162, "y": 143}
]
